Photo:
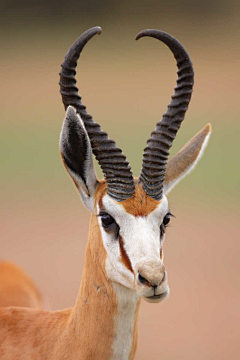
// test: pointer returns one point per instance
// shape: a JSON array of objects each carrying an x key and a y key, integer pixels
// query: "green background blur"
[{"x": 126, "y": 86}]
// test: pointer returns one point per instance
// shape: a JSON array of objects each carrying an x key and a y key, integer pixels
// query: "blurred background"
[{"x": 126, "y": 86}]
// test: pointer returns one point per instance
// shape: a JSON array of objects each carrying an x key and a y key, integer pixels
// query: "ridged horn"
[
  {"x": 118, "y": 175},
  {"x": 156, "y": 153}
]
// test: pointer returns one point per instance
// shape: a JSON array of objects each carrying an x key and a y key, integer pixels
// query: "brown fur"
[
  {"x": 139, "y": 204},
  {"x": 186, "y": 156},
  {"x": 16, "y": 287},
  {"x": 100, "y": 192},
  {"x": 30, "y": 333},
  {"x": 161, "y": 253},
  {"x": 91, "y": 337},
  {"x": 125, "y": 259},
  {"x": 84, "y": 332},
  {"x": 87, "y": 331}
]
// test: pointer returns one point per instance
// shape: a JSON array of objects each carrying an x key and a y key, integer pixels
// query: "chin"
[{"x": 157, "y": 298}]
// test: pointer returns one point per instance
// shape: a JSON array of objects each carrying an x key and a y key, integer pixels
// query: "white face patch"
[{"x": 141, "y": 238}]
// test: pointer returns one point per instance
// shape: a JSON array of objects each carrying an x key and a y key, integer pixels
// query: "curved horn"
[
  {"x": 120, "y": 184},
  {"x": 156, "y": 153}
]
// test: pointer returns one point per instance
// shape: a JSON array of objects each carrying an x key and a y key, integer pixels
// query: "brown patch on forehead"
[{"x": 140, "y": 204}]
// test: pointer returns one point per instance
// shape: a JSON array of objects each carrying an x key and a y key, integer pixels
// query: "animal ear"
[
  {"x": 185, "y": 160},
  {"x": 76, "y": 154}
]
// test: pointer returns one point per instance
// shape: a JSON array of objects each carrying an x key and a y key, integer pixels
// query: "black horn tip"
[
  {"x": 95, "y": 30},
  {"x": 76, "y": 48},
  {"x": 150, "y": 32},
  {"x": 88, "y": 34},
  {"x": 98, "y": 29},
  {"x": 174, "y": 45},
  {"x": 141, "y": 34},
  {"x": 158, "y": 34}
]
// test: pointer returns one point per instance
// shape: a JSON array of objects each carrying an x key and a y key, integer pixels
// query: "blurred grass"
[{"x": 127, "y": 86}]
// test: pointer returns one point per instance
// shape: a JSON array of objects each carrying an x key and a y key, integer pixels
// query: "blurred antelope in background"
[{"x": 129, "y": 216}]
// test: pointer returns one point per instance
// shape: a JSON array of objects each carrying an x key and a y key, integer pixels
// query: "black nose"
[{"x": 144, "y": 281}]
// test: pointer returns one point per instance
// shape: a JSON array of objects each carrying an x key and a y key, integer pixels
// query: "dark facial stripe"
[
  {"x": 125, "y": 259},
  {"x": 161, "y": 253}
]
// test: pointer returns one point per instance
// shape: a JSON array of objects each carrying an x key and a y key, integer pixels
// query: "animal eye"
[
  {"x": 107, "y": 220},
  {"x": 109, "y": 224},
  {"x": 165, "y": 223},
  {"x": 166, "y": 219}
]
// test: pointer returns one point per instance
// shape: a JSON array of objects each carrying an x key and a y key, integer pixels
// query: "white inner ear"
[
  {"x": 170, "y": 185},
  {"x": 87, "y": 191}
]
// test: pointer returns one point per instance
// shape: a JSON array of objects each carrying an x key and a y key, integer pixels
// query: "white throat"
[{"x": 125, "y": 321}]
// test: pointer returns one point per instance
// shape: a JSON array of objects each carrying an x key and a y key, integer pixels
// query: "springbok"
[{"x": 129, "y": 216}]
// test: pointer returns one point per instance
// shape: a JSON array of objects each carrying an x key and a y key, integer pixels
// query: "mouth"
[{"x": 157, "y": 298}]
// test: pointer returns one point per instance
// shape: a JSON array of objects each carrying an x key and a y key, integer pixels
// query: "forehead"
[{"x": 138, "y": 205}]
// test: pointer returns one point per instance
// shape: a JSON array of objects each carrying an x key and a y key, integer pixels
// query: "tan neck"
[{"x": 103, "y": 321}]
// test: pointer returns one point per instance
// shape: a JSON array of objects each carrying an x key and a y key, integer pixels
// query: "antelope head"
[{"x": 132, "y": 213}]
